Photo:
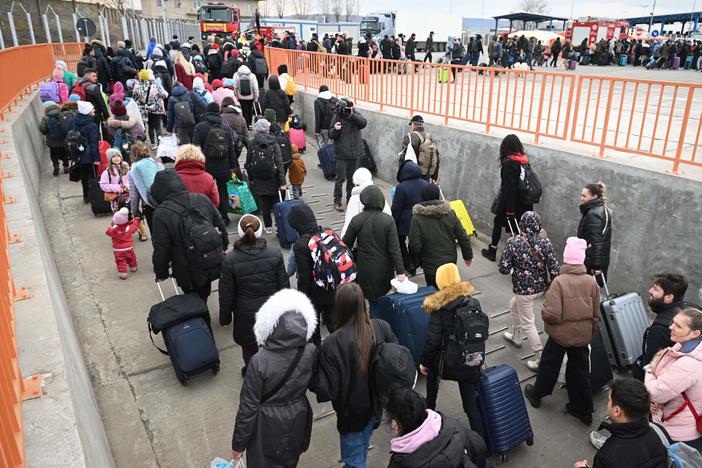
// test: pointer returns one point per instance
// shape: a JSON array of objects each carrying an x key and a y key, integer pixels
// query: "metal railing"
[{"x": 644, "y": 117}]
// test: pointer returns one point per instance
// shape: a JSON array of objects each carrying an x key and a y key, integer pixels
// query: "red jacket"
[
  {"x": 197, "y": 180},
  {"x": 122, "y": 235}
]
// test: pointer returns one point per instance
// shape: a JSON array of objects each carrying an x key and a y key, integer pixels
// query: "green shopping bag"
[{"x": 241, "y": 200}]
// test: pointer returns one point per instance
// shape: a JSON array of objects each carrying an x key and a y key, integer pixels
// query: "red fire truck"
[
  {"x": 219, "y": 19},
  {"x": 593, "y": 31}
]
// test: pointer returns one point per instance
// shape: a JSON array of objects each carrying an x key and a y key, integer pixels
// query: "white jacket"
[{"x": 355, "y": 206}]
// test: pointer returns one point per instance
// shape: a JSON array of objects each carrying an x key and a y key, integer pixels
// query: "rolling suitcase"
[
  {"x": 600, "y": 370},
  {"x": 572, "y": 64},
  {"x": 297, "y": 137},
  {"x": 444, "y": 74},
  {"x": 675, "y": 63},
  {"x": 406, "y": 316},
  {"x": 286, "y": 234},
  {"x": 326, "y": 159},
  {"x": 462, "y": 213},
  {"x": 504, "y": 412},
  {"x": 185, "y": 322},
  {"x": 622, "y": 60},
  {"x": 623, "y": 322},
  {"x": 97, "y": 197}
]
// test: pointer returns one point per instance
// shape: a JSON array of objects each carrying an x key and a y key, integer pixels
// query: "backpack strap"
[{"x": 288, "y": 373}]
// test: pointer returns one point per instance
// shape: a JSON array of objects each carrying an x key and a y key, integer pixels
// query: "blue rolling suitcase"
[
  {"x": 503, "y": 410},
  {"x": 286, "y": 234},
  {"x": 327, "y": 161},
  {"x": 406, "y": 316}
]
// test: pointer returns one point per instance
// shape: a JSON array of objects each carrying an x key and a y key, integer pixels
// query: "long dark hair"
[
  {"x": 510, "y": 145},
  {"x": 249, "y": 224},
  {"x": 351, "y": 309}
]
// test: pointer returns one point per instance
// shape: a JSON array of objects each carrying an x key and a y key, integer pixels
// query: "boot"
[
  {"x": 56, "y": 171},
  {"x": 490, "y": 253},
  {"x": 513, "y": 336},
  {"x": 531, "y": 396}
]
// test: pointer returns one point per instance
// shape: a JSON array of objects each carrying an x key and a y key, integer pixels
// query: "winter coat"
[
  {"x": 407, "y": 194},
  {"x": 102, "y": 67},
  {"x": 348, "y": 143},
  {"x": 51, "y": 112},
  {"x": 275, "y": 432},
  {"x": 337, "y": 377},
  {"x": 161, "y": 71},
  {"x": 123, "y": 234},
  {"x": 87, "y": 127},
  {"x": 219, "y": 94},
  {"x": 276, "y": 99},
  {"x": 571, "y": 307},
  {"x": 443, "y": 442},
  {"x": 631, "y": 445},
  {"x": 378, "y": 254},
  {"x": 122, "y": 67},
  {"x": 528, "y": 277},
  {"x": 117, "y": 94},
  {"x": 169, "y": 191},
  {"x": 596, "y": 228},
  {"x": 112, "y": 181},
  {"x": 125, "y": 122},
  {"x": 441, "y": 307},
  {"x": 433, "y": 234},
  {"x": 94, "y": 95},
  {"x": 302, "y": 219},
  {"x": 354, "y": 206},
  {"x": 179, "y": 93},
  {"x": 297, "y": 171},
  {"x": 657, "y": 336},
  {"x": 216, "y": 167},
  {"x": 271, "y": 185},
  {"x": 510, "y": 202},
  {"x": 244, "y": 73},
  {"x": 250, "y": 275},
  {"x": 140, "y": 178},
  {"x": 214, "y": 63},
  {"x": 150, "y": 96},
  {"x": 184, "y": 76},
  {"x": 677, "y": 372},
  {"x": 197, "y": 180},
  {"x": 323, "y": 111},
  {"x": 236, "y": 121}
]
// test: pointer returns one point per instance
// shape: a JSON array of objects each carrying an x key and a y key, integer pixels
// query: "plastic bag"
[
  {"x": 218, "y": 462},
  {"x": 404, "y": 287},
  {"x": 167, "y": 147}
]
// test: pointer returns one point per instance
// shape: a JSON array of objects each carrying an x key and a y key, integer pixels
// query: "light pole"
[{"x": 653, "y": 10}]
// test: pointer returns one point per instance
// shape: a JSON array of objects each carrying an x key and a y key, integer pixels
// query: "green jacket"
[
  {"x": 375, "y": 235},
  {"x": 434, "y": 231}
]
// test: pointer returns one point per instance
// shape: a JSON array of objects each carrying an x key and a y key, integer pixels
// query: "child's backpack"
[
  {"x": 465, "y": 346},
  {"x": 332, "y": 262},
  {"x": 49, "y": 91},
  {"x": 123, "y": 141},
  {"x": 262, "y": 164},
  {"x": 285, "y": 148},
  {"x": 55, "y": 131},
  {"x": 290, "y": 86},
  {"x": 76, "y": 143},
  {"x": 199, "y": 66}
]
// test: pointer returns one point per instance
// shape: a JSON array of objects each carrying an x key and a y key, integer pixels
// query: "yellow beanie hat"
[
  {"x": 144, "y": 75},
  {"x": 446, "y": 275}
]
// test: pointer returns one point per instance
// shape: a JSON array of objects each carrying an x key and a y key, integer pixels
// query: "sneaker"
[
  {"x": 490, "y": 253},
  {"x": 338, "y": 207},
  {"x": 56, "y": 171},
  {"x": 133, "y": 270},
  {"x": 533, "y": 365},
  {"x": 529, "y": 394},
  {"x": 268, "y": 230},
  {"x": 123, "y": 276},
  {"x": 510, "y": 336},
  {"x": 597, "y": 440}
]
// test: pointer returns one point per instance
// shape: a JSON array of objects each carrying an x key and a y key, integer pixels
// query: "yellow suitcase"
[{"x": 464, "y": 217}]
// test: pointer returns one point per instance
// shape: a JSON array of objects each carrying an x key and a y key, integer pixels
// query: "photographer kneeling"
[{"x": 345, "y": 132}]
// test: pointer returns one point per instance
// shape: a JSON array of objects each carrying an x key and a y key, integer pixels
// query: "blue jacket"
[
  {"x": 87, "y": 127},
  {"x": 407, "y": 194}
]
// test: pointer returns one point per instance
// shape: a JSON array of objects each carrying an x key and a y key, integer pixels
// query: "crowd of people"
[{"x": 211, "y": 102}]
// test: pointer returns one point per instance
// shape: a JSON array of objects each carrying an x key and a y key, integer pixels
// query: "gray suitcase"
[{"x": 623, "y": 323}]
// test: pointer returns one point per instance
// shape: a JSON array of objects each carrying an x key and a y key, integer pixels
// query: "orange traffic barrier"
[{"x": 646, "y": 117}]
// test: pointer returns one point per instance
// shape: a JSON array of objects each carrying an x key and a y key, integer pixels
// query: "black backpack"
[
  {"x": 367, "y": 160},
  {"x": 76, "y": 144},
  {"x": 391, "y": 365},
  {"x": 262, "y": 164},
  {"x": 213, "y": 63},
  {"x": 285, "y": 148},
  {"x": 87, "y": 61},
  {"x": 199, "y": 66},
  {"x": 465, "y": 346},
  {"x": 529, "y": 186},
  {"x": 65, "y": 119},
  {"x": 203, "y": 243},
  {"x": 297, "y": 123},
  {"x": 229, "y": 67},
  {"x": 217, "y": 143},
  {"x": 245, "y": 86},
  {"x": 55, "y": 132},
  {"x": 260, "y": 65},
  {"x": 184, "y": 114}
]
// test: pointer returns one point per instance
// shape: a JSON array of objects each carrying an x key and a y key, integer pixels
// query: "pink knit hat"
[
  {"x": 121, "y": 216},
  {"x": 574, "y": 252}
]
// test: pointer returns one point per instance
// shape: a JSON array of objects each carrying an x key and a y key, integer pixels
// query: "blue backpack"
[
  {"x": 55, "y": 131},
  {"x": 123, "y": 141}
]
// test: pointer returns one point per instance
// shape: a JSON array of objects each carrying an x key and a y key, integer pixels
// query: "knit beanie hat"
[
  {"x": 74, "y": 98},
  {"x": 118, "y": 108},
  {"x": 111, "y": 153},
  {"x": 48, "y": 103},
  {"x": 262, "y": 126},
  {"x": 574, "y": 252},
  {"x": 216, "y": 84},
  {"x": 215, "y": 46},
  {"x": 446, "y": 275},
  {"x": 431, "y": 192},
  {"x": 121, "y": 216},
  {"x": 213, "y": 107},
  {"x": 157, "y": 53},
  {"x": 362, "y": 176},
  {"x": 85, "y": 107},
  {"x": 61, "y": 64},
  {"x": 227, "y": 83},
  {"x": 144, "y": 74},
  {"x": 270, "y": 116}
]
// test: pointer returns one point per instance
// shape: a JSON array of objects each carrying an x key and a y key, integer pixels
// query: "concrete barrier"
[
  {"x": 657, "y": 216},
  {"x": 64, "y": 427}
]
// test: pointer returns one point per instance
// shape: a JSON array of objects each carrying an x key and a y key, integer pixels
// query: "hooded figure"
[
  {"x": 407, "y": 194},
  {"x": 170, "y": 251},
  {"x": 199, "y": 88},
  {"x": 276, "y": 99},
  {"x": 276, "y": 431},
  {"x": 375, "y": 234},
  {"x": 362, "y": 178}
]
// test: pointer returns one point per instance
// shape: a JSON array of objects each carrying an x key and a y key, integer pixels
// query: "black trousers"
[
  {"x": 406, "y": 257},
  {"x": 468, "y": 393},
  {"x": 324, "y": 313},
  {"x": 154, "y": 122},
  {"x": 246, "y": 110},
  {"x": 344, "y": 173},
  {"x": 58, "y": 154},
  {"x": 265, "y": 204},
  {"x": 577, "y": 375},
  {"x": 202, "y": 291},
  {"x": 149, "y": 215},
  {"x": 87, "y": 172},
  {"x": 223, "y": 196}
]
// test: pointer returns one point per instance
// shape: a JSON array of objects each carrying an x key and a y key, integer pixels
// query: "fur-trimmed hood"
[
  {"x": 432, "y": 208},
  {"x": 446, "y": 296},
  {"x": 286, "y": 320}
]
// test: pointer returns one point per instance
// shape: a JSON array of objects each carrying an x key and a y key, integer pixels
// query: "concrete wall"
[
  {"x": 657, "y": 216},
  {"x": 64, "y": 427}
]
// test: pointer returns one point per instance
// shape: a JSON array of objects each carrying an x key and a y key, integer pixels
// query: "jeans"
[
  {"x": 344, "y": 173},
  {"x": 522, "y": 312},
  {"x": 154, "y": 122},
  {"x": 265, "y": 204},
  {"x": 297, "y": 191},
  {"x": 577, "y": 375},
  {"x": 354, "y": 447},
  {"x": 468, "y": 393},
  {"x": 223, "y": 197}
]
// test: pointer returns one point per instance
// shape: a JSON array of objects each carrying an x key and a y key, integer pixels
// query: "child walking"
[
  {"x": 121, "y": 231},
  {"x": 297, "y": 172}
]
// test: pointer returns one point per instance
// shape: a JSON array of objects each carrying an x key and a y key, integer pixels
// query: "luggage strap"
[
  {"x": 686, "y": 404},
  {"x": 287, "y": 375},
  {"x": 151, "y": 335}
]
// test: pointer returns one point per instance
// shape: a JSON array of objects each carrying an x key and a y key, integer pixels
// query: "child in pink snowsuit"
[{"x": 121, "y": 231}]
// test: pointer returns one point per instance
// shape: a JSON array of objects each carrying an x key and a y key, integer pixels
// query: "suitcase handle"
[
  {"x": 287, "y": 193},
  {"x": 604, "y": 283},
  {"x": 175, "y": 287}
]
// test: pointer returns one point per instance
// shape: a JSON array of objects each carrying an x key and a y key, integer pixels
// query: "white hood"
[{"x": 325, "y": 95}]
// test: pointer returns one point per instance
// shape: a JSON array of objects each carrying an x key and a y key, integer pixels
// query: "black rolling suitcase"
[
  {"x": 600, "y": 370},
  {"x": 328, "y": 161},
  {"x": 97, "y": 198}
]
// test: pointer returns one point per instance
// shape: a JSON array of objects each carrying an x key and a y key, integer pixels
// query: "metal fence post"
[
  {"x": 58, "y": 27},
  {"x": 31, "y": 27},
  {"x": 101, "y": 20},
  {"x": 681, "y": 137},
  {"x": 11, "y": 20},
  {"x": 144, "y": 33},
  {"x": 2, "y": 41},
  {"x": 125, "y": 29},
  {"x": 75, "y": 22},
  {"x": 47, "y": 31}
]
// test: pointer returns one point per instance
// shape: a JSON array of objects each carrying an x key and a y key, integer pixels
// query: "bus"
[{"x": 219, "y": 19}]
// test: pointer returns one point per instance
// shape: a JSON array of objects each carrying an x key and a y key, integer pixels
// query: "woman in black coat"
[
  {"x": 596, "y": 228},
  {"x": 251, "y": 273},
  {"x": 507, "y": 207},
  {"x": 276, "y": 99},
  {"x": 442, "y": 306}
]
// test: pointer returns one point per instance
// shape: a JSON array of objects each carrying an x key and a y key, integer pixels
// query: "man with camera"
[{"x": 345, "y": 131}]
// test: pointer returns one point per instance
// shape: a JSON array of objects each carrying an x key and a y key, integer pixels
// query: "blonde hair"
[{"x": 190, "y": 153}]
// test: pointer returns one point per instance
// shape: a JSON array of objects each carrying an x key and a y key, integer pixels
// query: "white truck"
[{"x": 392, "y": 23}]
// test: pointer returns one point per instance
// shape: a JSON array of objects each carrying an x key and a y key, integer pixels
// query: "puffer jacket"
[
  {"x": 348, "y": 142},
  {"x": 197, "y": 180},
  {"x": 87, "y": 127},
  {"x": 217, "y": 167},
  {"x": 244, "y": 73},
  {"x": 407, "y": 194},
  {"x": 179, "y": 93},
  {"x": 323, "y": 111},
  {"x": 112, "y": 181},
  {"x": 677, "y": 372},
  {"x": 528, "y": 277},
  {"x": 276, "y": 99},
  {"x": 596, "y": 228},
  {"x": 434, "y": 230},
  {"x": 125, "y": 122},
  {"x": 250, "y": 275},
  {"x": 441, "y": 307},
  {"x": 354, "y": 206},
  {"x": 271, "y": 185},
  {"x": 275, "y": 432},
  {"x": 236, "y": 121},
  {"x": 378, "y": 254},
  {"x": 631, "y": 445},
  {"x": 452, "y": 445},
  {"x": 571, "y": 307}
]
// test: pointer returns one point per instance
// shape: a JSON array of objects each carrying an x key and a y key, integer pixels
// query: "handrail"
[{"x": 654, "y": 118}]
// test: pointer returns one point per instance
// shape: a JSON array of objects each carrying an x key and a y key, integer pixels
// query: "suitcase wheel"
[
  {"x": 215, "y": 371},
  {"x": 503, "y": 457},
  {"x": 530, "y": 442},
  {"x": 184, "y": 381}
]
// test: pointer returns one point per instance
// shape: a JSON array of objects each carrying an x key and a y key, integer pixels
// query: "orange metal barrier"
[{"x": 646, "y": 117}]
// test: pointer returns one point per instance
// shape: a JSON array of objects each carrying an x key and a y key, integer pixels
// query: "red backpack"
[{"x": 79, "y": 89}]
